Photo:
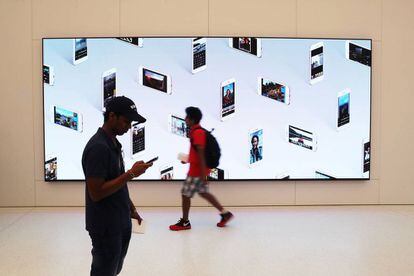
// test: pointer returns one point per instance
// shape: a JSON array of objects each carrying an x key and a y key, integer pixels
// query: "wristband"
[{"x": 131, "y": 174}]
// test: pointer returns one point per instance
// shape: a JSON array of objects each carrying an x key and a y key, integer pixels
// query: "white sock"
[{"x": 224, "y": 211}]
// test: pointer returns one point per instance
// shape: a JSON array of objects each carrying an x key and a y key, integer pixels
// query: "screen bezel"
[
  {"x": 314, "y": 47},
  {"x": 167, "y": 79},
  {"x": 166, "y": 169},
  {"x": 82, "y": 59},
  {"x": 48, "y": 160},
  {"x": 139, "y": 127},
  {"x": 345, "y": 92},
  {"x": 368, "y": 172},
  {"x": 233, "y": 110},
  {"x": 348, "y": 49},
  {"x": 79, "y": 127},
  {"x": 105, "y": 75},
  {"x": 171, "y": 118},
  {"x": 193, "y": 42},
  {"x": 260, "y": 90},
  {"x": 252, "y": 132},
  {"x": 258, "y": 45},
  {"x": 328, "y": 177},
  {"x": 314, "y": 138},
  {"x": 225, "y": 37}
]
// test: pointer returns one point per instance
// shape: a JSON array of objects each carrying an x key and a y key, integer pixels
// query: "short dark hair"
[{"x": 194, "y": 113}]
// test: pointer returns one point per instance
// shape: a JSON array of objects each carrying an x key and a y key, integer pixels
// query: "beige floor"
[{"x": 342, "y": 240}]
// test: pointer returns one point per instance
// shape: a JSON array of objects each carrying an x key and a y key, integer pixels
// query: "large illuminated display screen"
[{"x": 280, "y": 108}]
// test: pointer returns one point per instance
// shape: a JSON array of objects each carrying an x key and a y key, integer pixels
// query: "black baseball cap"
[{"x": 125, "y": 107}]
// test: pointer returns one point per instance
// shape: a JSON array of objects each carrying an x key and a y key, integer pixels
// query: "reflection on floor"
[{"x": 340, "y": 240}]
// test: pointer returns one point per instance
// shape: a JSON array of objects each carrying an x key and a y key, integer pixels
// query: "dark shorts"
[
  {"x": 194, "y": 185},
  {"x": 108, "y": 252}
]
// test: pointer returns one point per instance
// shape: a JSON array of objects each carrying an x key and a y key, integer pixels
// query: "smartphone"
[
  {"x": 357, "y": 53},
  {"x": 80, "y": 50},
  {"x": 256, "y": 146},
  {"x": 199, "y": 54},
  {"x": 178, "y": 126},
  {"x": 152, "y": 160},
  {"x": 67, "y": 118},
  {"x": 51, "y": 168},
  {"x": 366, "y": 157},
  {"x": 250, "y": 45},
  {"x": 316, "y": 63},
  {"x": 227, "y": 98},
  {"x": 137, "y": 139},
  {"x": 216, "y": 174},
  {"x": 343, "y": 115},
  {"x": 137, "y": 41},
  {"x": 48, "y": 74},
  {"x": 154, "y": 80},
  {"x": 302, "y": 138},
  {"x": 108, "y": 86},
  {"x": 138, "y": 228},
  {"x": 166, "y": 172},
  {"x": 273, "y": 90}
]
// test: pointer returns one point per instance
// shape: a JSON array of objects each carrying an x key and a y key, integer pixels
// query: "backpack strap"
[{"x": 191, "y": 139}]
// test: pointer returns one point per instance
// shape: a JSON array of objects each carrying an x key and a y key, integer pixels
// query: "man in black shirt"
[{"x": 109, "y": 208}]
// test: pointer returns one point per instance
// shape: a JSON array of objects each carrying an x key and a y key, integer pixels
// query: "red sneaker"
[
  {"x": 181, "y": 225},
  {"x": 225, "y": 218}
]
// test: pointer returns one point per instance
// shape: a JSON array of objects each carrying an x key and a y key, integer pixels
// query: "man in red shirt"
[{"x": 196, "y": 181}]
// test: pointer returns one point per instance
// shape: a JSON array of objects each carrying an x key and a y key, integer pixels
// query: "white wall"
[{"x": 388, "y": 22}]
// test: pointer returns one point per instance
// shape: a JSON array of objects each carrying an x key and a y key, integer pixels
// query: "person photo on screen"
[
  {"x": 228, "y": 98},
  {"x": 256, "y": 150},
  {"x": 109, "y": 208},
  {"x": 196, "y": 181}
]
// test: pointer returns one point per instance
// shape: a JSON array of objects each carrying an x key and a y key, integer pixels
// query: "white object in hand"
[
  {"x": 136, "y": 227},
  {"x": 183, "y": 157}
]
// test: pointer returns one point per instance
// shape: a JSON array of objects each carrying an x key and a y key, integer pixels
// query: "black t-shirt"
[{"x": 103, "y": 158}]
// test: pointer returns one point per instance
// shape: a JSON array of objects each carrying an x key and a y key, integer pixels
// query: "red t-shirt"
[{"x": 197, "y": 137}]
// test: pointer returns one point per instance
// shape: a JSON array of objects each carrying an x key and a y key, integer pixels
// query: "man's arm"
[
  {"x": 132, "y": 206},
  {"x": 99, "y": 189},
  {"x": 134, "y": 212}
]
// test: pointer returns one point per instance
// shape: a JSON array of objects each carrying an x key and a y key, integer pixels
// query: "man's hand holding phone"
[{"x": 139, "y": 168}]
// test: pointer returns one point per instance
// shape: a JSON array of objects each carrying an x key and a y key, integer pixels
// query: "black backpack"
[{"x": 212, "y": 150}]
